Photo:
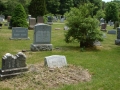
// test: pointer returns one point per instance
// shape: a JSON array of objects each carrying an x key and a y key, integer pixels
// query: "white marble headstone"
[{"x": 55, "y": 61}]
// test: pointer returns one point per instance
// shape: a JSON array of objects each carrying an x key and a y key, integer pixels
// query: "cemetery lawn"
[{"x": 103, "y": 62}]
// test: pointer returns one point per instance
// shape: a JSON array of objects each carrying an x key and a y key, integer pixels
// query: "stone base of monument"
[
  {"x": 12, "y": 72},
  {"x": 117, "y": 41},
  {"x": 41, "y": 47},
  {"x": 19, "y": 38}
]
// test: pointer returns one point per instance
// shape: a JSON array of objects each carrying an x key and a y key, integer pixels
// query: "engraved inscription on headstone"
[
  {"x": 19, "y": 33},
  {"x": 55, "y": 61}
]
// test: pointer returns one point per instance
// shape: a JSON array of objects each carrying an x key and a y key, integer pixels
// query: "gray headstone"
[
  {"x": 42, "y": 34},
  {"x": 66, "y": 27},
  {"x": 112, "y": 32},
  {"x": 42, "y": 37},
  {"x": 8, "y": 61},
  {"x": 13, "y": 65},
  {"x": 32, "y": 22},
  {"x": 1, "y": 19},
  {"x": 102, "y": 21},
  {"x": 118, "y": 33},
  {"x": 2, "y": 16},
  {"x": 49, "y": 21},
  {"x": 62, "y": 20},
  {"x": 20, "y": 60},
  {"x": 97, "y": 43},
  {"x": 19, "y": 33},
  {"x": 117, "y": 41},
  {"x": 55, "y": 61}
]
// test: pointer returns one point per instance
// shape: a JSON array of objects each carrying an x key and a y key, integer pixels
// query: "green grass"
[{"x": 103, "y": 63}]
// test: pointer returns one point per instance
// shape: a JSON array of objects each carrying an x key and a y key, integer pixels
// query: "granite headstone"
[{"x": 42, "y": 38}]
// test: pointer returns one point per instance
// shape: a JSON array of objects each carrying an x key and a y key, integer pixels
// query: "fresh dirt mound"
[{"x": 40, "y": 77}]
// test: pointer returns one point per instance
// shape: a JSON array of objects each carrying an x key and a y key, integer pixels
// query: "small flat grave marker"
[
  {"x": 55, "y": 61},
  {"x": 112, "y": 32}
]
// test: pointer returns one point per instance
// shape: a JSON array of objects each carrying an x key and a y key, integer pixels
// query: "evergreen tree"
[
  {"x": 37, "y": 8},
  {"x": 19, "y": 17}
]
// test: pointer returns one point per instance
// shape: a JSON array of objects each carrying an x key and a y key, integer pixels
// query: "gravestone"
[
  {"x": 103, "y": 27},
  {"x": 117, "y": 41},
  {"x": 2, "y": 16},
  {"x": 62, "y": 20},
  {"x": 54, "y": 19},
  {"x": 42, "y": 38},
  {"x": 40, "y": 19},
  {"x": 49, "y": 20},
  {"x": 102, "y": 21},
  {"x": 1, "y": 19},
  {"x": 32, "y": 22},
  {"x": 112, "y": 32},
  {"x": 110, "y": 23},
  {"x": 55, "y": 61},
  {"x": 13, "y": 65},
  {"x": 19, "y": 33},
  {"x": 116, "y": 24},
  {"x": 96, "y": 43},
  {"x": 8, "y": 18},
  {"x": 29, "y": 16},
  {"x": 66, "y": 28}
]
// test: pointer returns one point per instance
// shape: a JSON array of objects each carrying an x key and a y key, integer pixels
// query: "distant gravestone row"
[{"x": 13, "y": 65}]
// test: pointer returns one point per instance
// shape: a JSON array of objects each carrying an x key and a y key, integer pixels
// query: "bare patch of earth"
[{"x": 40, "y": 77}]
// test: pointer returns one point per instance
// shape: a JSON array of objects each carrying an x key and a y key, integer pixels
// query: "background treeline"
[{"x": 97, "y": 8}]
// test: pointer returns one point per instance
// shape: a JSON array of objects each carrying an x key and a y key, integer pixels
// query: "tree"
[
  {"x": 65, "y": 6},
  {"x": 19, "y": 17},
  {"x": 82, "y": 27},
  {"x": 100, "y": 14},
  {"x": 97, "y": 5},
  {"x": 37, "y": 8},
  {"x": 112, "y": 12},
  {"x": 53, "y": 6},
  {"x": 2, "y": 7},
  {"x": 10, "y": 6}
]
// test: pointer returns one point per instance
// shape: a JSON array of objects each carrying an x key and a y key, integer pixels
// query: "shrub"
[{"x": 19, "y": 17}]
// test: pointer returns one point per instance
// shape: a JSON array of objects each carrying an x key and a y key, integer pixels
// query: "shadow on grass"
[{"x": 76, "y": 48}]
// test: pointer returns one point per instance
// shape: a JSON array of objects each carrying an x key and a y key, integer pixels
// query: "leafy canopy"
[{"x": 82, "y": 27}]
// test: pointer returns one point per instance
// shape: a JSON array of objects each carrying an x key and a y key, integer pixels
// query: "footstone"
[{"x": 112, "y": 32}]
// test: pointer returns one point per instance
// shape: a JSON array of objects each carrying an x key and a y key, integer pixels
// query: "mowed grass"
[{"x": 103, "y": 63}]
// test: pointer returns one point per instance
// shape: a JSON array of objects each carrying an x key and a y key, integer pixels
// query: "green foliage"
[
  {"x": 82, "y": 27},
  {"x": 65, "y": 6},
  {"x": 53, "y": 6},
  {"x": 2, "y": 7},
  {"x": 100, "y": 14},
  {"x": 112, "y": 12},
  {"x": 19, "y": 17},
  {"x": 37, "y": 8}
]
